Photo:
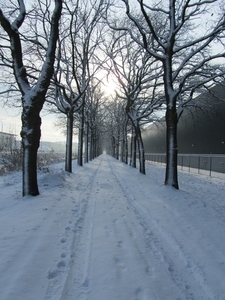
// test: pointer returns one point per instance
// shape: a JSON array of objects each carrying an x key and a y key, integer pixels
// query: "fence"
[{"x": 209, "y": 164}]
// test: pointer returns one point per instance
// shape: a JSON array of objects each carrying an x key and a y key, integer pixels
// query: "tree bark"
[
  {"x": 80, "y": 138},
  {"x": 140, "y": 149},
  {"x": 133, "y": 147},
  {"x": 86, "y": 142},
  {"x": 126, "y": 151},
  {"x": 113, "y": 146},
  {"x": 69, "y": 143},
  {"x": 30, "y": 135},
  {"x": 171, "y": 177},
  {"x": 122, "y": 157},
  {"x": 117, "y": 148},
  {"x": 91, "y": 148},
  {"x": 125, "y": 160}
]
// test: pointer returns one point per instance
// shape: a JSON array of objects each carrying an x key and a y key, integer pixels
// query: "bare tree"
[
  {"x": 181, "y": 34},
  {"x": 94, "y": 118},
  {"x": 116, "y": 120},
  {"x": 33, "y": 95},
  {"x": 78, "y": 63},
  {"x": 139, "y": 79}
]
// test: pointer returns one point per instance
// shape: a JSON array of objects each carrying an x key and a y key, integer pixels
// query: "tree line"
[{"x": 62, "y": 56}]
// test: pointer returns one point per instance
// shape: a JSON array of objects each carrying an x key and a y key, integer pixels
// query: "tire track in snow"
[
  {"x": 76, "y": 284},
  {"x": 118, "y": 270},
  {"x": 134, "y": 258},
  {"x": 166, "y": 249},
  {"x": 66, "y": 282}
]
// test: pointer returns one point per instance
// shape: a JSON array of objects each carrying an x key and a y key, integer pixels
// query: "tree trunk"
[
  {"x": 80, "y": 138},
  {"x": 113, "y": 147},
  {"x": 122, "y": 157},
  {"x": 30, "y": 134},
  {"x": 69, "y": 143},
  {"x": 125, "y": 160},
  {"x": 93, "y": 144},
  {"x": 86, "y": 142},
  {"x": 126, "y": 152},
  {"x": 140, "y": 149},
  {"x": 96, "y": 144},
  {"x": 133, "y": 148},
  {"x": 117, "y": 141},
  {"x": 124, "y": 144},
  {"x": 171, "y": 177},
  {"x": 91, "y": 150},
  {"x": 117, "y": 149}
]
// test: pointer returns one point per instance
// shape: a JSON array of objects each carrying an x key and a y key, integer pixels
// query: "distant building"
[
  {"x": 201, "y": 128},
  {"x": 57, "y": 147},
  {"x": 7, "y": 141},
  {"x": 45, "y": 149}
]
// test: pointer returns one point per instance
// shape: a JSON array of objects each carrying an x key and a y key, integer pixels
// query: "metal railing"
[{"x": 209, "y": 164}]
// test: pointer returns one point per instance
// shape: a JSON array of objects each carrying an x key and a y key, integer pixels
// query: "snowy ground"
[{"x": 106, "y": 232}]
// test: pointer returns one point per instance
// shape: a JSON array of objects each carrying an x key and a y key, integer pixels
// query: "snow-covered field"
[{"x": 107, "y": 232}]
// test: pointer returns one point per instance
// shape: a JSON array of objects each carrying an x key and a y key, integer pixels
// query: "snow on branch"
[{"x": 19, "y": 20}]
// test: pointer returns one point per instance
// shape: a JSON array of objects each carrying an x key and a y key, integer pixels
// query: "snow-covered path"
[{"x": 106, "y": 232}]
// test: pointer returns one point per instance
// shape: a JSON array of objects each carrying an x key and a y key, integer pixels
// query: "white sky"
[
  {"x": 10, "y": 122},
  {"x": 10, "y": 118}
]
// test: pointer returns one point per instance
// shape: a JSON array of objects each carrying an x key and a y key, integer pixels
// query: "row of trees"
[
  {"x": 160, "y": 56},
  {"x": 177, "y": 38}
]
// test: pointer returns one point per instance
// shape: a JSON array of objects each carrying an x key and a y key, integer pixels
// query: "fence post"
[
  {"x": 198, "y": 164},
  {"x": 210, "y": 166}
]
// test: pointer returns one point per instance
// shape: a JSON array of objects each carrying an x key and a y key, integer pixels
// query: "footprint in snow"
[
  {"x": 52, "y": 274},
  {"x": 120, "y": 244},
  {"x": 119, "y": 263},
  {"x": 61, "y": 264},
  {"x": 63, "y": 240}
]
